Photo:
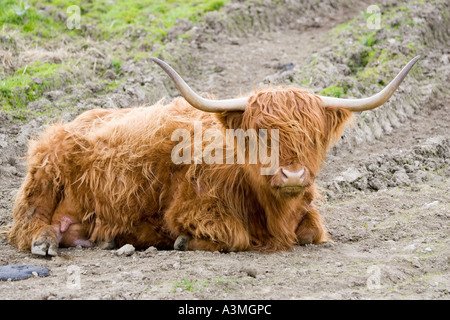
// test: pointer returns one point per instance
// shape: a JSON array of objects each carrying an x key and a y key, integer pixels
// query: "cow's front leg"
[
  {"x": 181, "y": 243},
  {"x": 186, "y": 242},
  {"x": 33, "y": 209},
  {"x": 213, "y": 236},
  {"x": 311, "y": 228},
  {"x": 203, "y": 224}
]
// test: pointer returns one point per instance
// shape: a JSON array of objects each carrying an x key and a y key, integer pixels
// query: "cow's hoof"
[
  {"x": 181, "y": 243},
  {"x": 106, "y": 244},
  {"x": 44, "y": 246}
]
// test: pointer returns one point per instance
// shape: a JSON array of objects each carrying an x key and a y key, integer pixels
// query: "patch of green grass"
[
  {"x": 116, "y": 64},
  {"x": 40, "y": 69},
  {"x": 368, "y": 39},
  {"x": 412, "y": 47},
  {"x": 28, "y": 83},
  {"x": 368, "y": 56},
  {"x": 362, "y": 58},
  {"x": 333, "y": 91},
  {"x": 103, "y": 19},
  {"x": 372, "y": 73},
  {"x": 346, "y": 26},
  {"x": 45, "y": 21},
  {"x": 114, "y": 84},
  {"x": 154, "y": 17},
  {"x": 138, "y": 56},
  {"x": 227, "y": 284},
  {"x": 28, "y": 18},
  {"x": 190, "y": 285},
  {"x": 224, "y": 280}
]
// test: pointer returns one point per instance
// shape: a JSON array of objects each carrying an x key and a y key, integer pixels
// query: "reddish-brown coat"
[{"x": 111, "y": 172}]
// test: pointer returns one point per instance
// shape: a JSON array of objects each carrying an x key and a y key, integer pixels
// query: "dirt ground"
[{"x": 386, "y": 199}]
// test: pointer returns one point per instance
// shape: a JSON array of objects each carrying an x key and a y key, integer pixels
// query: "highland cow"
[{"x": 108, "y": 177}]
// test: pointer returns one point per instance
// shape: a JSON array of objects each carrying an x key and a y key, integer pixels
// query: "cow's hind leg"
[
  {"x": 39, "y": 195},
  {"x": 68, "y": 226},
  {"x": 33, "y": 210}
]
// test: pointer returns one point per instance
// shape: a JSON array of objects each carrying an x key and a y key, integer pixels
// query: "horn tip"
[
  {"x": 155, "y": 59},
  {"x": 160, "y": 62},
  {"x": 416, "y": 58}
]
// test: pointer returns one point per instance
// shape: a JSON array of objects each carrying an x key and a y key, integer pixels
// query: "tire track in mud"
[
  {"x": 258, "y": 41},
  {"x": 235, "y": 64}
]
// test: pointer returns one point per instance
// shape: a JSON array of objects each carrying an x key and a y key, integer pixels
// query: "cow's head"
[{"x": 307, "y": 125}]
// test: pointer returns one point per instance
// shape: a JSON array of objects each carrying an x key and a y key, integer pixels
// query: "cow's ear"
[
  {"x": 231, "y": 120},
  {"x": 337, "y": 119}
]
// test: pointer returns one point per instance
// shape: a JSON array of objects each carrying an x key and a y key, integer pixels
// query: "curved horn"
[
  {"x": 373, "y": 101},
  {"x": 196, "y": 100}
]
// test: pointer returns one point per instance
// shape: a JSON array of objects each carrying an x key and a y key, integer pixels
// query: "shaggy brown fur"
[{"x": 108, "y": 175}]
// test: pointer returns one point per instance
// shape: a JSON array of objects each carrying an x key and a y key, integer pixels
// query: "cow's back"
[{"x": 117, "y": 164}]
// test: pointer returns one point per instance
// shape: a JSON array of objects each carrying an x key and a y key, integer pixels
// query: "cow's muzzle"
[{"x": 291, "y": 180}]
